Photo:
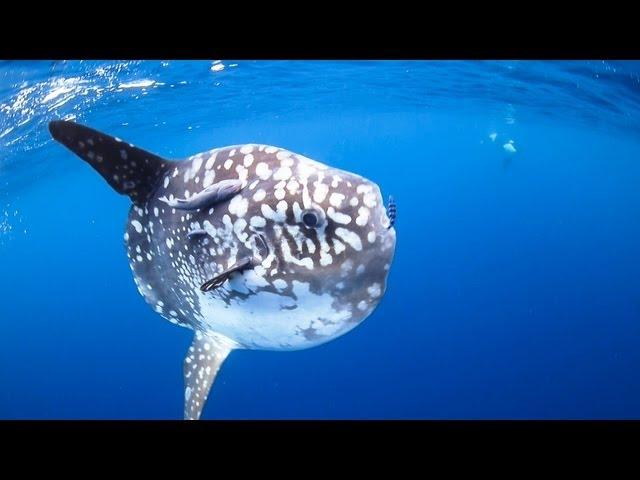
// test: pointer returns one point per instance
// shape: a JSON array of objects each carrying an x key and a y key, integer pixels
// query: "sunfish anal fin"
[
  {"x": 201, "y": 365},
  {"x": 129, "y": 170}
]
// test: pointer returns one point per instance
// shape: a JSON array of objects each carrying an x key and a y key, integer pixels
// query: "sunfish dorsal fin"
[
  {"x": 129, "y": 170},
  {"x": 201, "y": 364}
]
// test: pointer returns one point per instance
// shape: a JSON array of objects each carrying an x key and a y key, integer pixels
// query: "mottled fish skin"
[
  {"x": 251, "y": 246},
  {"x": 309, "y": 286}
]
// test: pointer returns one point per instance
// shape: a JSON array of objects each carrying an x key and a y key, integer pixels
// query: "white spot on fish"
[
  {"x": 242, "y": 174},
  {"x": 335, "y": 199},
  {"x": 259, "y": 195},
  {"x": 209, "y": 177},
  {"x": 325, "y": 259},
  {"x": 311, "y": 246},
  {"x": 349, "y": 237},
  {"x": 363, "y": 216},
  {"x": 283, "y": 173},
  {"x": 293, "y": 186},
  {"x": 258, "y": 222},
  {"x": 374, "y": 290},
  {"x": 280, "y": 284},
  {"x": 320, "y": 192},
  {"x": 238, "y": 229},
  {"x": 338, "y": 217},
  {"x": 369, "y": 200},
  {"x": 211, "y": 161},
  {"x": 277, "y": 216},
  {"x": 262, "y": 171},
  {"x": 137, "y": 225},
  {"x": 197, "y": 163},
  {"x": 286, "y": 253}
]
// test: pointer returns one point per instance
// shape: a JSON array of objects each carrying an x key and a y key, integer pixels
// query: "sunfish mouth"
[{"x": 391, "y": 211}]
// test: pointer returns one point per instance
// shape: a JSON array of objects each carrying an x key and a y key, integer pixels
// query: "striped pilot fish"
[{"x": 250, "y": 246}]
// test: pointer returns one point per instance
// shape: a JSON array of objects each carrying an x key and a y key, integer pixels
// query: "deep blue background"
[{"x": 514, "y": 292}]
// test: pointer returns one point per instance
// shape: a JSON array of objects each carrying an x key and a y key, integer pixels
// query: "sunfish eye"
[{"x": 311, "y": 218}]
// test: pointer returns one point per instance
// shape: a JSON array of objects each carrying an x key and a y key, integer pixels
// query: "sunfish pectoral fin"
[
  {"x": 129, "y": 170},
  {"x": 216, "y": 193},
  {"x": 201, "y": 365},
  {"x": 215, "y": 282}
]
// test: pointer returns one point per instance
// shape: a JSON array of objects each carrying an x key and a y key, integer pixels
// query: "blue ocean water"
[{"x": 514, "y": 292}]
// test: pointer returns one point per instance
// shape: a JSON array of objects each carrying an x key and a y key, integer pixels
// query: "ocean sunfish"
[{"x": 251, "y": 246}]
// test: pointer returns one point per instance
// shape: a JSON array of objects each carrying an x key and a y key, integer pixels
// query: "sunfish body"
[{"x": 250, "y": 246}]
